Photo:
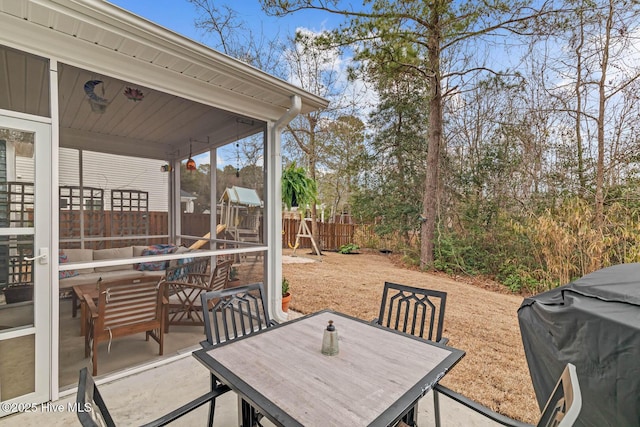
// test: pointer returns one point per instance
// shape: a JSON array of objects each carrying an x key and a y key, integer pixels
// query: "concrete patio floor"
[
  {"x": 142, "y": 397},
  {"x": 137, "y": 396}
]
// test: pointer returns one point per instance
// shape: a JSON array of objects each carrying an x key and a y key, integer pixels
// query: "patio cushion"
[
  {"x": 155, "y": 250},
  {"x": 138, "y": 249},
  {"x": 63, "y": 259},
  {"x": 80, "y": 255},
  {"x": 104, "y": 254}
]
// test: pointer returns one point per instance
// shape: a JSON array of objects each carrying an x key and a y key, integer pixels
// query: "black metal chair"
[
  {"x": 233, "y": 313},
  {"x": 415, "y": 311},
  {"x": 93, "y": 411},
  {"x": 562, "y": 408}
]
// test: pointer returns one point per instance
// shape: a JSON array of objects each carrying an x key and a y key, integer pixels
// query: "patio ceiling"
[
  {"x": 190, "y": 91},
  {"x": 157, "y": 126}
]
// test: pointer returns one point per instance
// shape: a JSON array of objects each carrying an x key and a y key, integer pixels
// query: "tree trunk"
[
  {"x": 578, "y": 90},
  {"x": 430, "y": 198},
  {"x": 602, "y": 100},
  {"x": 314, "y": 212}
]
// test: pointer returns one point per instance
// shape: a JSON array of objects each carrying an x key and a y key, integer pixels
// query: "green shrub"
[
  {"x": 348, "y": 248},
  {"x": 517, "y": 278}
]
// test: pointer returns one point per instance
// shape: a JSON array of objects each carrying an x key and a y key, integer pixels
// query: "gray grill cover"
[{"x": 594, "y": 323}]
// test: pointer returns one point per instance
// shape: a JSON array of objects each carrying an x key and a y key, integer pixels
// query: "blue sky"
[{"x": 180, "y": 15}]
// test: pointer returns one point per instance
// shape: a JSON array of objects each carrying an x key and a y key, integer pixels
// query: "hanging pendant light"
[
  {"x": 191, "y": 164},
  {"x": 237, "y": 160},
  {"x": 237, "y": 150}
]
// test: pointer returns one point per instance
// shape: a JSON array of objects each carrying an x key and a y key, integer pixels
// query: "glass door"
[{"x": 25, "y": 274}]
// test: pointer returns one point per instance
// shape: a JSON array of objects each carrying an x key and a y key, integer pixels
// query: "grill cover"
[{"x": 594, "y": 323}]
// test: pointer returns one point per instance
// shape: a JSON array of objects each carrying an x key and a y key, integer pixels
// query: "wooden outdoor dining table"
[{"x": 378, "y": 375}]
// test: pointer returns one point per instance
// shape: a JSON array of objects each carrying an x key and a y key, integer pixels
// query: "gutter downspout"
[{"x": 274, "y": 229}]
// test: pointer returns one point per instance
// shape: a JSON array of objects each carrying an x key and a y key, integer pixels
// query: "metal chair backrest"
[
  {"x": 234, "y": 312},
  {"x": 90, "y": 407},
  {"x": 415, "y": 311},
  {"x": 564, "y": 404},
  {"x": 562, "y": 408}
]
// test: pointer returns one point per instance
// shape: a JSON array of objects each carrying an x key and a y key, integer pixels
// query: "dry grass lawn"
[{"x": 479, "y": 319}]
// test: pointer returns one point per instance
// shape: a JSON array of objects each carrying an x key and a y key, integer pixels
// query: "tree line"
[{"x": 502, "y": 139}]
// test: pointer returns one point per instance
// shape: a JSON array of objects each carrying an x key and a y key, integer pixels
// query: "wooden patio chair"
[
  {"x": 124, "y": 307},
  {"x": 415, "y": 311},
  {"x": 233, "y": 313},
  {"x": 184, "y": 307},
  {"x": 562, "y": 408},
  {"x": 93, "y": 411}
]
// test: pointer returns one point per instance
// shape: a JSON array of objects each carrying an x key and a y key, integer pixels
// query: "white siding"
[
  {"x": 108, "y": 172},
  {"x": 24, "y": 169}
]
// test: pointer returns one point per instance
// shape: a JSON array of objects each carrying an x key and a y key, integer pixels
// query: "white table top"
[{"x": 376, "y": 377}]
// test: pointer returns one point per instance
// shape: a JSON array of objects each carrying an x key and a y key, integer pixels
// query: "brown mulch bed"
[{"x": 480, "y": 319}]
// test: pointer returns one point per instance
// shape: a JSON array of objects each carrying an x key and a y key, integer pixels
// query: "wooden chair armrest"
[
  {"x": 483, "y": 410},
  {"x": 91, "y": 306}
]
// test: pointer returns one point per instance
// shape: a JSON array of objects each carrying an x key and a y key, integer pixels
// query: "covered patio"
[
  {"x": 102, "y": 112},
  {"x": 122, "y": 394}
]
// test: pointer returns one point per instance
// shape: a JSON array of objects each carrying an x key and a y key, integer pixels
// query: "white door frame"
[{"x": 42, "y": 295}]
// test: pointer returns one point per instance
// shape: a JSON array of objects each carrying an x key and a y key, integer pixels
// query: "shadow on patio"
[
  {"x": 124, "y": 352},
  {"x": 141, "y": 397}
]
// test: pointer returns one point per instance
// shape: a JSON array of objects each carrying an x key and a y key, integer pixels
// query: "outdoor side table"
[{"x": 377, "y": 377}]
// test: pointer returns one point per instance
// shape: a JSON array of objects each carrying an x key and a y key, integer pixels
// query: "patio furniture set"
[
  {"x": 68, "y": 279},
  {"x": 116, "y": 308},
  {"x": 376, "y": 378}
]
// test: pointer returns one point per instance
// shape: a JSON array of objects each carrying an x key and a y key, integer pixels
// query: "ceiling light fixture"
[
  {"x": 191, "y": 164},
  {"x": 237, "y": 150}
]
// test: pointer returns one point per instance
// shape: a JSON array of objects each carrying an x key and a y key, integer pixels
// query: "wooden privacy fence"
[
  {"x": 331, "y": 236},
  {"x": 99, "y": 224}
]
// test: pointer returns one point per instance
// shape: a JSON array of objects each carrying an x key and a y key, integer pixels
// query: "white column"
[
  {"x": 274, "y": 210},
  {"x": 274, "y": 224},
  {"x": 175, "y": 218},
  {"x": 213, "y": 208},
  {"x": 53, "y": 313}
]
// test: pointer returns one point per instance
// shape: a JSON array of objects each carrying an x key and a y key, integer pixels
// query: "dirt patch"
[{"x": 483, "y": 322}]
